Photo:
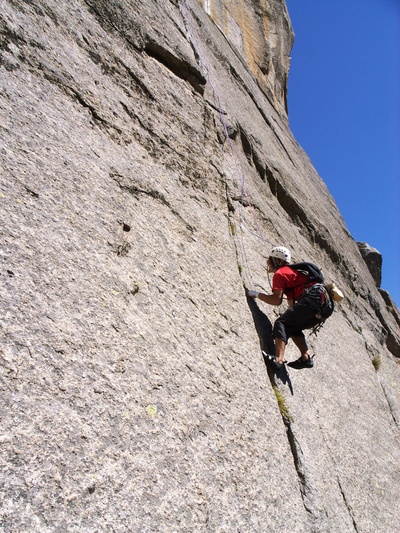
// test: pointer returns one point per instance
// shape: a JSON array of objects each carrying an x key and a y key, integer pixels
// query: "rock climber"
[{"x": 299, "y": 316}]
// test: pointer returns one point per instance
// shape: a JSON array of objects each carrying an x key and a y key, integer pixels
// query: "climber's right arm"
[{"x": 272, "y": 299}]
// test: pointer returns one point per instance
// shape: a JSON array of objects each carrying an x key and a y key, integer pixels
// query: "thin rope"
[{"x": 195, "y": 40}]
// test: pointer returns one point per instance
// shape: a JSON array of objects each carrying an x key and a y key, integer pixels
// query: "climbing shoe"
[
  {"x": 271, "y": 361},
  {"x": 302, "y": 363}
]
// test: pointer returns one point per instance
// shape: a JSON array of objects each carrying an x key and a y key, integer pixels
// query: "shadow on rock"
[{"x": 263, "y": 327}]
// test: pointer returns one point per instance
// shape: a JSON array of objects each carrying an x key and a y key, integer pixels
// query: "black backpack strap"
[{"x": 313, "y": 273}]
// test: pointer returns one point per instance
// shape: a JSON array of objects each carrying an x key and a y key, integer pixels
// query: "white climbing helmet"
[{"x": 280, "y": 252}]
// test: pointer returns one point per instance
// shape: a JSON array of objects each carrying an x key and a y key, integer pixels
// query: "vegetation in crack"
[
  {"x": 282, "y": 404},
  {"x": 377, "y": 362}
]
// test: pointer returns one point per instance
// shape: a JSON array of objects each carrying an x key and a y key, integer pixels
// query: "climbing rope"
[{"x": 243, "y": 200}]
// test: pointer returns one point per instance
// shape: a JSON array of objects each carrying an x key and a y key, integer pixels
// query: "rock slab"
[{"x": 147, "y": 169}]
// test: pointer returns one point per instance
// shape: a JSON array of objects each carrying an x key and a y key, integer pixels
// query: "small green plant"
[
  {"x": 282, "y": 404},
  {"x": 377, "y": 362},
  {"x": 233, "y": 229},
  {"x": 240, "y": 269}
]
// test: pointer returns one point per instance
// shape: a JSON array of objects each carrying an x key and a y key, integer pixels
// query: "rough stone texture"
[
  {"x": 146, "y": 171},
  {"x": 373, "y": 259},
  {"x": 262, "y": 35},
  {"x": 390, "y": 305}
]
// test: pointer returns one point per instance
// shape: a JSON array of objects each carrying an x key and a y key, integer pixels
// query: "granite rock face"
[
  {"x": 147, "y": 168},
  {"x": 373, "y": 259}
]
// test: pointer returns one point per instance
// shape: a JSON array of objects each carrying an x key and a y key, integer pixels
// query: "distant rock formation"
[
  {"x": 373, "y": 260},
  {"x": 391, "y": 305}
]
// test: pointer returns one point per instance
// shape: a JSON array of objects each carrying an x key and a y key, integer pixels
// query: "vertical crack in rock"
[
  {"x": 261, "y": 322},
  {"x": 348, "y": 506},
  {"x": 390, "y": 403},
  {"x": 299, "y": 465},
  {"x": 377, "y": 361},
  {"x": 263, "y": 328},
  {"x": 185, "y": 10},
  {"x": 306, "y": 490}
]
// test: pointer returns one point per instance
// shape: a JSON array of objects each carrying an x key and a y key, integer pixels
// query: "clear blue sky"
[{"x": 344, "y": 110}]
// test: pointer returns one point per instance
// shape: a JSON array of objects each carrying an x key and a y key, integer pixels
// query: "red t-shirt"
[{"x": 285, "y": 279}]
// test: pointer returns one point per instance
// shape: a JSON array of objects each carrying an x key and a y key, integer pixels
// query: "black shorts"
[{"x": 294, "y": 320}]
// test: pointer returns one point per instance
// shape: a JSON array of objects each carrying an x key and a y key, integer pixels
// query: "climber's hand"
[{"x": 252, "y": 294}]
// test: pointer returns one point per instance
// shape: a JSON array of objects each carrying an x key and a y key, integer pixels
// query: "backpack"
[
  {"x": 317, "y": 295},
  {"x": 309, "y": 269},
  {"x": 313, "y": 273}
]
